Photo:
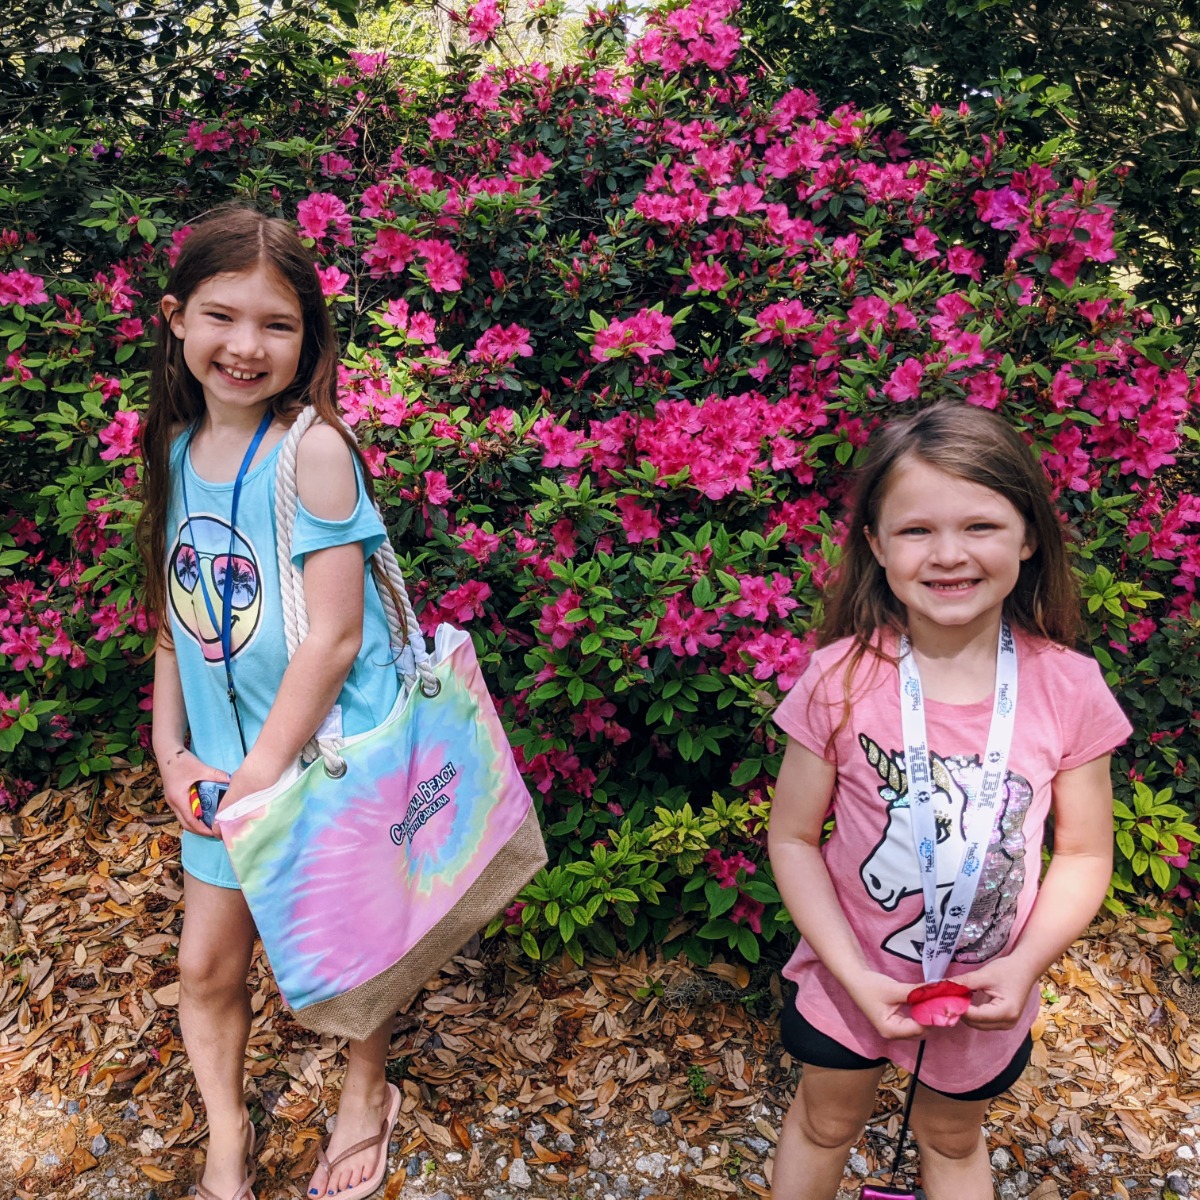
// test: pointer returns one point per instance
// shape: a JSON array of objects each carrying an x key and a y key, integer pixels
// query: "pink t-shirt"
[{"x": 1066, "y": 716}]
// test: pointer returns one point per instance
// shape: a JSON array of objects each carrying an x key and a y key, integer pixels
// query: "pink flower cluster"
[
  {"x": 321, "y": 216},
  {"x": 20, "y": 287},
  {"x": 483, "y": 19},
  {"x": 393, "y": 251},
  {"x": 695, "y": 33},
  {"x": 501, "y": 345},
  {"x": 645, "y": 335}
]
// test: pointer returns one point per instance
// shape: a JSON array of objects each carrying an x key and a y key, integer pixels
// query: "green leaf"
[
  {"x": 1160, "y": 872},
  {"x": 747, "y": 944},
  {"x": 722, "y": 901},
  {"x": 566, "y": 926}
]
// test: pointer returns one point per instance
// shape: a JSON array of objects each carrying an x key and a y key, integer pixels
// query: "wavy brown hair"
[
  {"x": 228, "y": 241},
  {"x": 975, "y": 445}
]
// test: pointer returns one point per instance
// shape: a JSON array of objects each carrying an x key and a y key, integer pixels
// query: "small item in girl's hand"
[
  {"x": 872, "y": 1191},
  {"x": 940, "y": 1003},
  {"x": 205, "y": 795}
]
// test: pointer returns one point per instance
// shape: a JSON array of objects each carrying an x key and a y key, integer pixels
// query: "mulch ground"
[{"x": 636, "y": 1077}]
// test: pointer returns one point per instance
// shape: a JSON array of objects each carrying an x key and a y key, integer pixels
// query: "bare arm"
[
  {"x": 333, "y": 593},
  {"x": 1069, "y": 897},
  {"x": 802, "y": 795},
  {"x": 177, "y": 765}
]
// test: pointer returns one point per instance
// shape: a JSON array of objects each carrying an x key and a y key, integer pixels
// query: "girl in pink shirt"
[{"x": 954, "y": 581}]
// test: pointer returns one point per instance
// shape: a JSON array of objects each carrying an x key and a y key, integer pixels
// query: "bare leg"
[
  {"x": 361, "y": 1111},
  {"x": 214, "y": 1015},
  {"x": 954, "y": 1161},
  {"x": 825, "y": 1119}
]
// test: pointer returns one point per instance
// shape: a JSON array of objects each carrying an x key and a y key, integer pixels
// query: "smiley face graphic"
[{"x": 200, "y": 565}]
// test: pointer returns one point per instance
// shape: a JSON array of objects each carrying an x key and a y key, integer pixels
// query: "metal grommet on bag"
[
  {"x": 437, "y": 687},
  {"x": 335, "y": 772}
]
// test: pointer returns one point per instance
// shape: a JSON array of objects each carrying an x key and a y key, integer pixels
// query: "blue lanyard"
[{"x": 227, "y": 589}]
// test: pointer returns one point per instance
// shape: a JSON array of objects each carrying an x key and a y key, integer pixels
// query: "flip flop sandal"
[
  {"x": 371, "y": 1184},
  {"x": 246, "y": 1190}
]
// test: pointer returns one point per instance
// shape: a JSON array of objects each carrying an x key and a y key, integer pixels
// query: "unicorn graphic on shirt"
[{"x": 890, "y": 873}]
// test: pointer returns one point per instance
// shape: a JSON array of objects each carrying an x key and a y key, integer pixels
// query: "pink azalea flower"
[
  {"x": 128, "y": 330},
  {"x": 483, "y": 19},
  {"x": 437, "y": 489},
  {"x": 500, "y": 345},
  {"x": 1180, "y": 860},
  {"x": 904, "y": 383},
  {"x": 725, "y": 870},
  {"x": 748, "y": 912},
  {"x": 785, "y": 322},
  {"x": 336, "y": 166},
  {"x": 646, "y": 334},
  {"x": 442, "y": 126},
  {"x": 553, "y": 621},
  {"x": 529, "y": 166},
  {"x": 484, "y": 93},
  {"x": 709, "y": 277},
  {"x": 120, "y": 436},
  {"x": 963, "y": 261},
  {"x": 478, "y": 543},
  {"x": 20, "y": 287},
  {"x": 465, "y": 602},
  {"x": 178, "y": 237},
  {"x": 200, "y": 137},
  {"x": 640, "y": 524},
  {"x": 684, "y": 628},
  {"x": 23, "y": 647},
  {"x": 560, "y": 445},
  {"x": 322, "y": 214},
  {"x": 444, "y": 267},
  {"x": 333, "y": 280},
  {"x": 369, "y": 64},
  {"x": 391, "y": 252}
]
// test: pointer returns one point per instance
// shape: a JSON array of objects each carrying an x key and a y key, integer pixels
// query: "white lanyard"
[{"x": 941, "y": 935}]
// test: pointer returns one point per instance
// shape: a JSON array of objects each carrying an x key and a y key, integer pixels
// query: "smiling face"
[
  {"x": 951, "y": 550},
  {"x": 242, "y": 335}
]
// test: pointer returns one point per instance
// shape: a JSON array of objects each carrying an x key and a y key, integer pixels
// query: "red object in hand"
[{"x": 940, "y": 1003}]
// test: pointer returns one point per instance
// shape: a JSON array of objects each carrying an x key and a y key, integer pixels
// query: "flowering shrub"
[{"x": 613, "y": 338}]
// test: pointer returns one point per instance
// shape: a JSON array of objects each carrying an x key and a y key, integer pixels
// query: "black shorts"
[{"x": 808, "y": 1044}]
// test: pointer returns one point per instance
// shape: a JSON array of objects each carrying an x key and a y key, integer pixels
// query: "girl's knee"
[
  {"x": 204, "y": 977},
  {"x": 827, "y": 1126},
  {"x": 947, "y": 1138},
  {"x": 211, "y": 968}
]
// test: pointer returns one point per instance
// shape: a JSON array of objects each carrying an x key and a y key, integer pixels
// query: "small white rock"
[{"x": 518, "y": 1174}]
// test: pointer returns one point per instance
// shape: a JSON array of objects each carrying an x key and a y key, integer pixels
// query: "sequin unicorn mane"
[{"x": 889, "y": 871}]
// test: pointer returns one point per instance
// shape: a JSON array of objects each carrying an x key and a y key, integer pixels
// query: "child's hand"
[
  {"x": 245, "y": 781},
  {"x": 884, "y": 1002},
  {"x": 1001, "y": 990},
  {"x": 178, "y": 774}
]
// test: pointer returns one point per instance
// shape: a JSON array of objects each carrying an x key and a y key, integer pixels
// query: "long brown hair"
[
  {"x": 980, "y": 447},
  {"x": 228, "y": 241}
]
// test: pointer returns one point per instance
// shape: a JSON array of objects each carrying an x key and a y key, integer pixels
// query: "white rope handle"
[{"x": 404, "y": 630}]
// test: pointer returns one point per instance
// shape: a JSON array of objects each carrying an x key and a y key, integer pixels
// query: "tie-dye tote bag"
[{"x": 368, "y": 868}]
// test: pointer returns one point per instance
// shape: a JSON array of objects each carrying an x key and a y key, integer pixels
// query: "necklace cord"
[{"x": 226, "y": 623}]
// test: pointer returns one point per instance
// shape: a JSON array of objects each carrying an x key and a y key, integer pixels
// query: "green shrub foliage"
[{"x": 614, "y": 338}]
